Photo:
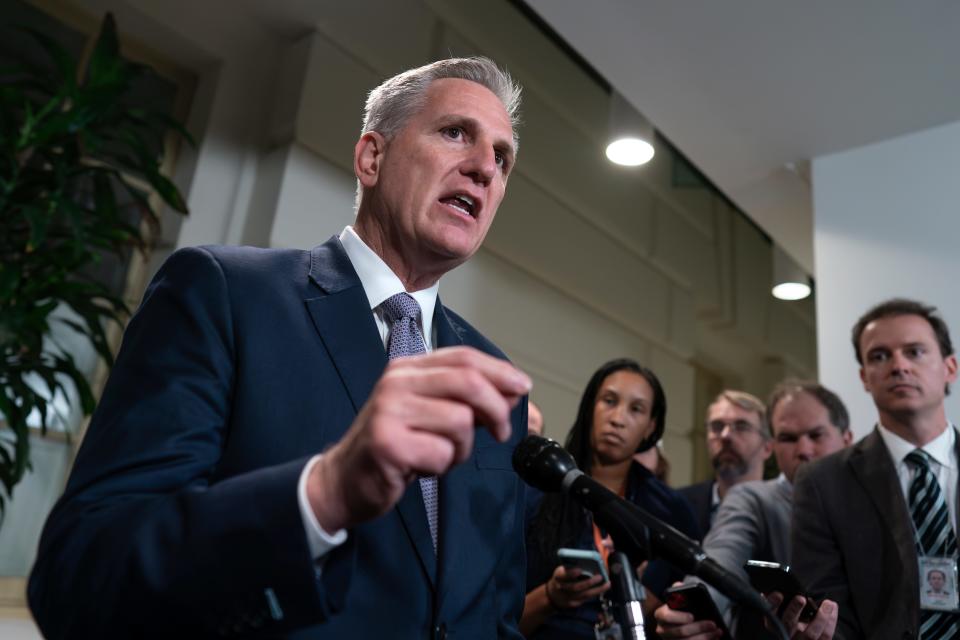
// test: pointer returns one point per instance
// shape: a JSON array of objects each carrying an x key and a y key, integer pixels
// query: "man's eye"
[
  {"x": 500, "y": 159},
  {"x": 877, "y": 356},
  {"x": 453, "y": 132},
  {"x": 742, "y": 426}
]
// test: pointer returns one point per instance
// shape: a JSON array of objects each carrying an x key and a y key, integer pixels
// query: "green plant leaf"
[
  {"x": 67, "y": 366},
  {"x": 67, "y": 149}
]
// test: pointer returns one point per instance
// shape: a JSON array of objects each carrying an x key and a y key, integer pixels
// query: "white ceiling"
[{"x": 750, "y": 90}]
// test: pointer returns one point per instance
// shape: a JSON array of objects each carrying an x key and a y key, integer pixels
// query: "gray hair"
[
  {"x": 390, "y": 105},
  {"x": 747, "y": 402}
]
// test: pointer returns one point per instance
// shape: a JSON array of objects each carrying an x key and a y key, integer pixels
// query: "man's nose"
[
  {"x": 481, "y": 164},
  {"x": 899, "y": 362}
]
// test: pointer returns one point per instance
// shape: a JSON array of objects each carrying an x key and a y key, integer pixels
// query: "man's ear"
[
  {"x": 863, "y": 379},
  {"x": 767, "y": 448},
  {"x": 368, "y": 158},
  {"x": 950, "y": 362},
  {"x": 847, "y": 437}
]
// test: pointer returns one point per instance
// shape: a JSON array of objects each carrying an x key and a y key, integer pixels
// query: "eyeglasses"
[{"x": 740, "y": 427}]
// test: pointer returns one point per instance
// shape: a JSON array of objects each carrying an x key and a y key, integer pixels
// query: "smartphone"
[
  {"x": 767, "y": 577},
  {"x": 695, "y": 599},
  {"x": 589, "y": 562}
]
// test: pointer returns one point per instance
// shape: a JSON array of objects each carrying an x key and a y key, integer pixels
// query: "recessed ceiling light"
[
  {"x": 630, "y": 152},
  {"x": 791, "y": 291},
  {"x": 631, "y": 135}
]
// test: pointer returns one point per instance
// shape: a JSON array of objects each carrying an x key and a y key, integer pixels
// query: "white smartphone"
[{"x": 589, "y": 562}]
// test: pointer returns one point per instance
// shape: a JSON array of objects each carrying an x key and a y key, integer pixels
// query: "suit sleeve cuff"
[{"x": 319, "y": 541}]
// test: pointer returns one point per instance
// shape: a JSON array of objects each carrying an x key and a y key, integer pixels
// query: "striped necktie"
[
  {"x": 935, "y": 537},
  {"x": 403, "y": 314}
]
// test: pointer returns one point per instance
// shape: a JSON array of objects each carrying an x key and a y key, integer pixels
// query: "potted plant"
[{"x": 74, "y": 155}]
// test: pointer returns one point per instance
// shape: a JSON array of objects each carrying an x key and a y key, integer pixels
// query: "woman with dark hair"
[{"x": 622, "y": 412}]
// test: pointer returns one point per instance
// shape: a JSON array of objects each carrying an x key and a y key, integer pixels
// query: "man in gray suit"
[
  {"x": 856, "y": 512},
  {"x": 809, "y": 421}
]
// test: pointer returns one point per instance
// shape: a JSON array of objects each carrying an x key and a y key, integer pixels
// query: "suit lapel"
[
  {"x": 874, "y": 469},
  {"x": 411, "y": 508},
  {"x": 342, "y": 317},
  {"x": 455, "y": 516}
]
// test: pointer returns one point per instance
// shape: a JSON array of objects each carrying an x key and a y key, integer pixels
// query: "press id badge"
[{"x": 938, "y": 583}]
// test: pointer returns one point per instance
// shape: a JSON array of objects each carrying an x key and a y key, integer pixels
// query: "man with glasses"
[
  {"x": 809, "y": 422},
  {"x": 738, "y": 440}
]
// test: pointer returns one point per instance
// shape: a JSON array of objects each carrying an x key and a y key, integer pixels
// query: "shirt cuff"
[{"x": 319, "y": 541}]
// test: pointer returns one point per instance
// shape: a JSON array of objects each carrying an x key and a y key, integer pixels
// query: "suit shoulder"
[
  {"x": 752, "y": 490},
  {"x": 695, "y": 491},
  {"x": 827, "y": 469},
  {"x": 253, "y": 259},
  {"x": 247, "y": 267}
]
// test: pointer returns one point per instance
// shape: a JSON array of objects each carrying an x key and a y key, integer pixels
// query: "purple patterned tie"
[{"x": 403, "y": 314}]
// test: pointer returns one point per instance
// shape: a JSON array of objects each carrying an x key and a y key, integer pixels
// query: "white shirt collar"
[
  {"x": 380, "y": 282},
  {"x": 940, "y": 448}
]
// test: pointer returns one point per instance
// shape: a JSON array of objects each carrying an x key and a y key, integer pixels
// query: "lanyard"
[{"x": 604, "y": 545}]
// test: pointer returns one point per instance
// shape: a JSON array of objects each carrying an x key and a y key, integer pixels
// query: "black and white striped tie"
[{"x": 935, "y": 537}]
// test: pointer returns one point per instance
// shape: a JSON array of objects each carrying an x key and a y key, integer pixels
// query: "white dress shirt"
[
  {"x": 379, "y": 283},
  {"x": 943, "y": 463}
]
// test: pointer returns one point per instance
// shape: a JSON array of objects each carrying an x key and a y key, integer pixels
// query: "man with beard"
[
  {"x": 809, "y": 422},
  {"x": 738, "y": 440}
]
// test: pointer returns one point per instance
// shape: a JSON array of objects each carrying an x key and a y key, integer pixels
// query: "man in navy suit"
[{"x": 251, "y": 467}]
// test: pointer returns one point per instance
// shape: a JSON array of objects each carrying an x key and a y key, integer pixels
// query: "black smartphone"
[
  {"x": 767, "y": 577},
  {"x": 695, "y": 599},
  {"x": 589, "y": 562}
]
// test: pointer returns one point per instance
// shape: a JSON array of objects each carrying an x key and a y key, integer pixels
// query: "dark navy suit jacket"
[
  {"x": 180, "y": 518},
  {"x": 700, "y": 497}
]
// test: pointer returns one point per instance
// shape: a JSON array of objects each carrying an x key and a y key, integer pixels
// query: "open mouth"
[{"x": 463, "y": 203}]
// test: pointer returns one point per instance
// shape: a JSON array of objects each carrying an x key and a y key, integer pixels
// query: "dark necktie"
[
  {"x": 403, "y": 314},
  {"x": 935, "y": 537}
]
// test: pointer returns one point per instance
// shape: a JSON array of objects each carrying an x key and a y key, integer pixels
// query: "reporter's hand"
[
  {"x": 823, "y": 625},
  {"x": 418, "y": 421},
  {"x": 681, "y": 624},
  {"x": 568, "y": 589}
]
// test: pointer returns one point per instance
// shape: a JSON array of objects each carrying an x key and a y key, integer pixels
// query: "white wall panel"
[{"x": 887, "y": 220}]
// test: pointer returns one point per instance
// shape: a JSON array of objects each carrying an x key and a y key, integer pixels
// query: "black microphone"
[{"x": 544, "y": 464}]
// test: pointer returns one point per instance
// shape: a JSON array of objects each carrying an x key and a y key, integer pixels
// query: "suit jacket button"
[{"x": 440, "y": 632}]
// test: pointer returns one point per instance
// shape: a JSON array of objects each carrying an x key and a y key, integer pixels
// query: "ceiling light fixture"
[
  {"x": 631, "y": 135},
  {"x": 789, "y": 280}
]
